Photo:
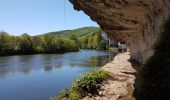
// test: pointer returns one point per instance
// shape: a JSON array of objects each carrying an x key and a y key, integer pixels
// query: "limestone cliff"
[{"x": 134, "y": 22}]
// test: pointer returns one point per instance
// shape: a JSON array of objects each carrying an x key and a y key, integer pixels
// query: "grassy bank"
[
  {"x": 153, "y": 81},
  {"x": 89, "y": 84}
]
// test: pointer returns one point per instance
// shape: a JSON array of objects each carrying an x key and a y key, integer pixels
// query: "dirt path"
[{"x": 119, "y": 86}]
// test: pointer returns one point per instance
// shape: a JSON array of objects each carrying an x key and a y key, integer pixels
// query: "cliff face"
[{"x": 134, "y": 22}]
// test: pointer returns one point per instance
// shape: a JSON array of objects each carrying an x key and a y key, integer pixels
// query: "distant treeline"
[{"x": 26, "y": 44}]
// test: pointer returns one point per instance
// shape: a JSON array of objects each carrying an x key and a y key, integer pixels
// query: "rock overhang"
[{"x": 134, "y": 22}]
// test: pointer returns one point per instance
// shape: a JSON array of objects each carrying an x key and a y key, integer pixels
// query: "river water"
[{"x": 37, "y": 77}]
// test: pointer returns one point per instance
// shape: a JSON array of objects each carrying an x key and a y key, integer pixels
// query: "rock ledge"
[{"x": 119, "y": 86}]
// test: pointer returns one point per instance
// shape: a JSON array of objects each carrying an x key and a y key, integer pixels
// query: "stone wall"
[{"x": 134, "y": 22}]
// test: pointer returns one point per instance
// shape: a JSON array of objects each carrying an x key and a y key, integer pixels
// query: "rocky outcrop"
[{"x": 134, "y": 22}]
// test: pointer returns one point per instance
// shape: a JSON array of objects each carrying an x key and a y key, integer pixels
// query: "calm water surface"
[{"x": 37, "y": 77}]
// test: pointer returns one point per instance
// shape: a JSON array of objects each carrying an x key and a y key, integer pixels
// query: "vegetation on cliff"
[
  {"x": 89, "y": 84},
  {"x": 153, "y": 81}
]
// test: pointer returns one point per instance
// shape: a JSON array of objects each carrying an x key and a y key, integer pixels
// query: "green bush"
[
  {"x": 89, "y": 84},
  {"x": 61, "y": 95},
  {"x": 67, "y": 95}
]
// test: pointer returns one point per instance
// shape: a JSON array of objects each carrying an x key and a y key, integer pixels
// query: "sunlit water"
[{"x": 37, "y": 77}]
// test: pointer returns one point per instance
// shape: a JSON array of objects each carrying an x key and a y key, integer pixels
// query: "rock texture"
[
  {"x": 134, "y": 22},
  {"x": 120, "y": 82}
]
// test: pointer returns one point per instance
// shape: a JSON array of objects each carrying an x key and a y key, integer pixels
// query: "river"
[{"x": 37, "y": 77}]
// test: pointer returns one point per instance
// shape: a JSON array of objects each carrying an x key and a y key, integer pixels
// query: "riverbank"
[{"x": 119, "y": 85}]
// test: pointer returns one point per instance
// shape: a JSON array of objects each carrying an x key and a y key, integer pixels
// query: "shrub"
[
  {"x": 67, "y": 95},
  {"x": 89, "y": 84},
  {"x": 74, "y": 96},
  {"x": 62, "y": 94}
]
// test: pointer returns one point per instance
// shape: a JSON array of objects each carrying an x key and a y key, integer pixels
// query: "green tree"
[
  {"x": 26, "y": 45},
  {"x": 7, "y": 46},
  {"x": 96, "y": 40},
  {"x": 83, "y": 42},
  {"x": 57, "y": 44},
  {"x": 3, "y": 42},
  {"x": 75, "y": 38},
  {"x": 90, "y": 42},
  {"x": 69, "y": 45},
  {"x": 46, "y": 43}
]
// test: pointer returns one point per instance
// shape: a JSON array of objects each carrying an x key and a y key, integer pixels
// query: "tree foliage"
[
  {"x": 26, "y": 44},
  {"x": 51, "y": 43},
  {"x": 7, "y": 46}
]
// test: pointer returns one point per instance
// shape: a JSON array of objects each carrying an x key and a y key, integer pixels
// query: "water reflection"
[
  {"x": 96, "y": 61},
  {"x": 47, "y": 73},
  {"x": 26, "y": 64},
  {"x": 48, "y": 68}
]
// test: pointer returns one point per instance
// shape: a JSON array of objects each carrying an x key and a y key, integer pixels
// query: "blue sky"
[{"x": 40, "y": 16}]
